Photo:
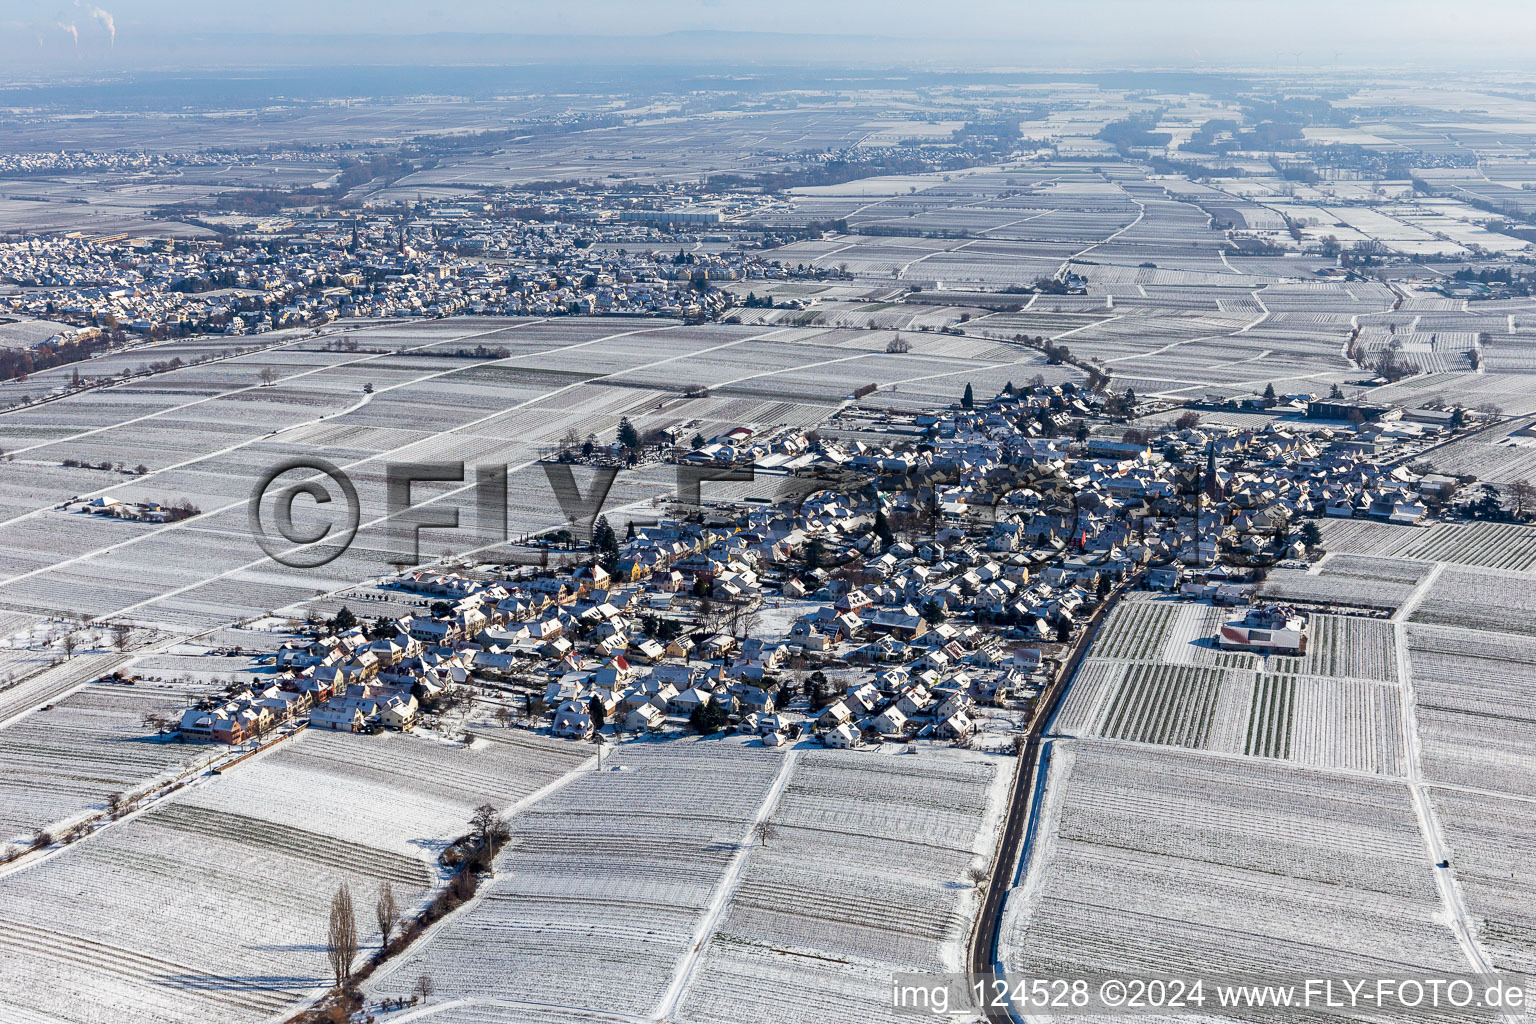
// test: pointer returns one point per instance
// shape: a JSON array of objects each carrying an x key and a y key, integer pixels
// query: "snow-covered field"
[
  {"x": 41, "y": 683},
  {"x": 1301, "y": 827},
  {"x": 1349, "y": 581},
  {"x": 1499, "y": 602},
  {"x": 1494, "y": 858},
  {"x": 1476, "y": 707},
  {"x": 1156, "y": 861},
  {"x": 645, "y": 892},
  {"x": 212, "y": 904},
  {"x": 605, "y": 883},
  {"x": 59, "y": 763},
  {"x": 865, "y": 878}
]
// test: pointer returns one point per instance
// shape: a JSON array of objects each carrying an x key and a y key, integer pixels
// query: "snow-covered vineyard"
[
  {"x": 608, "y": 883},
  {"x": 208, "y": 905},
  {"x": 640, "y": 888},
  {"x": 645, "y": 890},
  {"x": 1159, "y": 862},
  {"x": 1361, "y": 809},
  {"x": 869, "y": 874},
  {"x": 1158, "y": 679}
]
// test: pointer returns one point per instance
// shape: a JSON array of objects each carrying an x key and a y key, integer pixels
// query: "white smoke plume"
[
  {"x": 102, "y": 18},
  {"x": 71, "y": 31},
  {"x": 107, "y": 22}
]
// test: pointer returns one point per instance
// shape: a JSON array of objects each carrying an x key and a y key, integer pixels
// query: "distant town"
[{"x": 520, "y": 255}]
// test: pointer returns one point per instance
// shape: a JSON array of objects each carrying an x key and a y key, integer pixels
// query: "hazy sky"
[
  {"x": 881, "y": 17},
  {"x": 1217, "y": 31}
]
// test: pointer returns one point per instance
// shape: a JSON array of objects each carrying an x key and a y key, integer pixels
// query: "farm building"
[
  {"x": 1275, "y": 629},
  {"x": 1338, "y": 409}
]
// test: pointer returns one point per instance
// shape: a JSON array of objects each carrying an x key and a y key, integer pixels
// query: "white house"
[
  {"x": 572, "y": 721},
  {"x": 685, "y": 702},
  {"x": 836, "y": 714},
  {"x": 844, "y": 737},
  {"x": 644, "y": 717},
  {"x": 956, "y": 726},
  {"x": 338, "y": 717},
  {"x": 891, "y": 721}
]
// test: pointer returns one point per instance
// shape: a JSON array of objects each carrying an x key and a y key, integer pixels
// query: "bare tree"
[
  {"x": 743, "y": 619},
  {"x": 425, "y": 986},
  {"x": 764, "y": 831},
  {"x": 268, "y": 376},
  {"x": 120, "y": 636},
  {"x": 1523, "y": 493},
  {"x": 341, "y": 940},
  {"x": 69, "y": 642},
  {"x": 490, "y": 830},
  {"x": 1391, "y": 365},
  {"x": 386, "y": 911}
]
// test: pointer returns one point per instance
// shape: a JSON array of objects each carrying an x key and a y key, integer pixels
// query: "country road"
[{"x": 985, "y": 935}]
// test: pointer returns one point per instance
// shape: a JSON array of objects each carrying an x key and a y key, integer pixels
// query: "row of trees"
[
  {"x": 69, "y": 642},
  {"x": 488, "y": 832},
  {"x": 18, "y": 362},
  {"x": 1517, "y": 501}
]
